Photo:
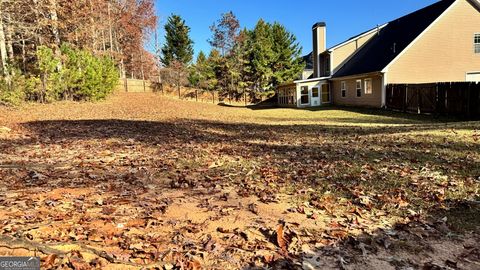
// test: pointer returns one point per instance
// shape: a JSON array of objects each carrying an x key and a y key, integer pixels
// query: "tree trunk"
[
  {"x": 143, "y": 72},
  {"x": 92, "y": 22},
  {"x": 55, "y": 31},
  {"x": 44, "y": 88},
  {"x": 24, "y": 56},
  {"x": 3, "y": 46},
  {"x": 104, "y": 43},
  {"x": 9, "y": 39},
  {"x": 54, "y": 25},
  {"x": 36, "y": 9},
  {"x": 110, "y": 30}
]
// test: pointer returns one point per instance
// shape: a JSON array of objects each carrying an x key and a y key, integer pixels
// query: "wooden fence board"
[{"x": 456, "y": 98}]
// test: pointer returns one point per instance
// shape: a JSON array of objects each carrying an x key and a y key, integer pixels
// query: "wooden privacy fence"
[
  {"x": 456, "y": 98},
  {"x": 186, "y": 93},
  {"x": 134, "y": 86}
]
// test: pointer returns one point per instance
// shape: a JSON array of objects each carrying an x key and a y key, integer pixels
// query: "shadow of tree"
[
  {"x": 444, "y": 238},
  {"x": 343, "y": 160},
  {"x": 287, "y": 143}
]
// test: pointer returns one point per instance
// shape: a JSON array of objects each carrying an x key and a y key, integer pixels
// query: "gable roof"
[
  {"x": 391, "y": 40},
  {"x": 377, "y": 28},
  {"x": 308, "y": 60}
]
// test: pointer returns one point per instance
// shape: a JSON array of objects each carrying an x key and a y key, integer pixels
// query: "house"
[{"x": 439, "y": 43}]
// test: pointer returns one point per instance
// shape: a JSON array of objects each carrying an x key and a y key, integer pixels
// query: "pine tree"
[
  {"x": 178, "y": 45},
  {"x": 241, "y": 68},
  {"x": 177, "y": 53},
  {"x": 200, "y": 68},
  {"x": 214, "y": 69},
  {"x": 224, "y": 39},
  {"x": 261, "y": 56},
  {"x": 287, "y": 63}
]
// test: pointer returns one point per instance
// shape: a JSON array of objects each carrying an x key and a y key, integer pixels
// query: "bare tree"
[{"x": 3, "y": 46}]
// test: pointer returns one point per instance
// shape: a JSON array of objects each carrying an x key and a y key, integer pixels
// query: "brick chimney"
[{"x": 319, "y": 45}]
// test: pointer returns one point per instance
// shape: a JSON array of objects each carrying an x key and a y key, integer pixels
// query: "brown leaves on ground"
[{"x": 143, "y": 181}]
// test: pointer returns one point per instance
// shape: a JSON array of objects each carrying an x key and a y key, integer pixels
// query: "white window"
[
  {"x": 304, "y": 98},
  {"x": 325, "y": 93},
  {"x": 344, "y": 89},
  {"x": 359, "y": 88},
  {"x": 476, "y": 42},
  {"x": 473, "y": 77},
  {"x": 368, "y": 86}
]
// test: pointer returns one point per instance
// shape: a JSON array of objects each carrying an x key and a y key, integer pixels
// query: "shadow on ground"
[{"x": 347, "y": 160}]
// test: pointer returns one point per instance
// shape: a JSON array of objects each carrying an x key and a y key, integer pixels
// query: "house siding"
[
  {"x": 445, "y": 52},
  {"x": 310, "y": 85},
  {"x": 351, "y": 99},
  {"x": 339, "y": 55}
]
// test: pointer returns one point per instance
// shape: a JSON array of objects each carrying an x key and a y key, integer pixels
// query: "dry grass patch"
[{"x": 146, "y": 181}]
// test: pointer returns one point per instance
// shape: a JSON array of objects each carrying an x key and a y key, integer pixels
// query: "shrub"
[
  {"x": 17, "y": 89},
  {"x": 87, "y": 77},
  {"x": 73, "y": 74},
  {"x": 78, "y": 75},
  {"x": 50, "y": 77}
]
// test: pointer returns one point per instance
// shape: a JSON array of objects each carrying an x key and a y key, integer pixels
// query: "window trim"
[
  {"x": 476, "y": 45},
  {"x": 365, "y": 86},
  {"x": 318, "y": 92},
  {"x": 302, "y": 95},
  {"x": 343, "y": 89},
  {"x": 356, "y": 87},
  {"x": 471, "y": 72},
  {"x": 329, "y": 93}
]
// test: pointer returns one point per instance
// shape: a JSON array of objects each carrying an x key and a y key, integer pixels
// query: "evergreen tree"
[
  {"x": 261, "y": 56},
  {"x": 242, "y": 71},
  {"x": 177, "y": 53},
  {"x": 287, "y": 64},
  {"x": 224, "y": 39},
  {"x": 214, "y": 70},
  {"x": 178, "y": 45},
  {"x": 200, "y": 69}
]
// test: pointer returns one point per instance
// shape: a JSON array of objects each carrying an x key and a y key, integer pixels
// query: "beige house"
[{"x": 439, "y": 43}]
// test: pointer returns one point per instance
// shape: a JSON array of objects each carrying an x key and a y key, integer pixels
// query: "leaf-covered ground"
[{"x": 142, "y": 181}]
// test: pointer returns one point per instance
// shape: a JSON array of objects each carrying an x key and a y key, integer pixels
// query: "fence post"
[
  {"x": 419, "y": 100},
  {"x": 467, "y": 99},
  {"x": 406, "y": 99}
]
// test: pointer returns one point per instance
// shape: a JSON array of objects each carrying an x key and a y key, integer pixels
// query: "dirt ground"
[{"x": 142, "y": 181}]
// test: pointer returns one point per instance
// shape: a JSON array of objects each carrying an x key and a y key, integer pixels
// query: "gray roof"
[{"x": 391, "y": 40}]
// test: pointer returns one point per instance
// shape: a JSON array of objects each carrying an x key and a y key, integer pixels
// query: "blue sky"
[{"x": 344, "y": 18}]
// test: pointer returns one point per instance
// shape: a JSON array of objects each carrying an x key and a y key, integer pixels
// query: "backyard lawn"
[{"x": 145, "y": 181}]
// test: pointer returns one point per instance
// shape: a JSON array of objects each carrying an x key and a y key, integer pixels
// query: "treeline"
[
  {"x": 242, "y": 63},
  {"x": 63, "y": 49}
]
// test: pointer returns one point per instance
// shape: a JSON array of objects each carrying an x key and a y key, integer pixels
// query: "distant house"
[{"x": 438, "y": 43}]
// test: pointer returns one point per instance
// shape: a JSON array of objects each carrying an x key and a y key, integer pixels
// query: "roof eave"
[
  {"x": 360, "y": 75},
  {"x": 356, "y": 38},
  {"x": 313, "y": 80}
]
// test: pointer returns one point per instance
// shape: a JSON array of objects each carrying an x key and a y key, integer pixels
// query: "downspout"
[{"x": 384, "y": 88}]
